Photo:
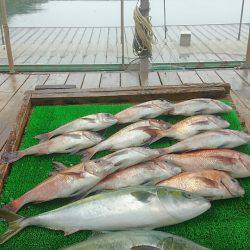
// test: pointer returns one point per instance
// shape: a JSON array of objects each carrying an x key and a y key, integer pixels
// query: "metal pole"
[
  {"x": 7, "y": 35},
  {"x": 122, "y": 32},
  {"x": 241, "y": 16},
  {"x": 165, "y": 20},
  {"x": 248, "y": 48},
  {"x": 2, "y": 38}
]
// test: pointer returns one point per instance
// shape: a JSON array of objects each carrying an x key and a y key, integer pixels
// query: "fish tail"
[
  {"x": 9, "y": 157},
  {"x": 15, "y": 224},
  {"x": 88, "y": 154},
  {"x": 15, "y": 205},
  {"x": 44, "y": 137}
]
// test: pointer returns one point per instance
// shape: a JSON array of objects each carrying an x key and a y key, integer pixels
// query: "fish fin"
[
  {"x": 14, "y": 224},
  {"x": 208, "y": 181},
  {"x": 88, "y": 154},
  {"x": 12, "y": 207},
  {"x": 142, "y": 196},
  {"x": 144, "y": 247},
  {"x": 153, "y": 132},
  {"x": 44, "y": 137},
  {"x": 58, "y": 166},
  {"x": 9, "y": 157},
  {"x": 66, "y": 233}
]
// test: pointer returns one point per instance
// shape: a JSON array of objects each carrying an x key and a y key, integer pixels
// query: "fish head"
[
  {"x": 159, "y": 124},
  {"x": 231, "y": 186},
  {"x": 244, "y": 169},
  {"x": 107, "y": 118},
  {"x": 187, "y": 205},
  {"x": 219, "y": 121},
  {"x": 169, "y": 168},
  {"x": 224, "y": 107}
]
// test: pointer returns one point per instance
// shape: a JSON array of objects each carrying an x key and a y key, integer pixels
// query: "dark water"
[{"x": 33, "y": 13}]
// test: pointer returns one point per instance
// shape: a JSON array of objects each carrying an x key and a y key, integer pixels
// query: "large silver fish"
[
  {"x": 93, "y": 122},
  {"x": 141, "y": 173},
  {"x": 196, "y": 125},
  {"x": 146, "y": 110},
  {"x": 224, "y": 138},
  {"x": 130, "y": 136},
  {"x": 201, "y": 106},
  {"x": 79, "y": 179},
  {"x": 128, "y": 208},
  {"x": 231, "y": 161},
  {"x": 136, "y": 240},
  {"x": 212, "y": 184},
  {"x": 67, "y": 143}
]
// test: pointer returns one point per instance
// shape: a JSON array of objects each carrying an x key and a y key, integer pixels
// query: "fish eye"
[
  {"x": 233, "y": 180},
  {"x": 186, "y": 195}
]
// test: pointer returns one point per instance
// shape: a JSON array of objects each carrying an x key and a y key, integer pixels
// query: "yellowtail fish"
[
  {"x": 237, "y": 164},
  {"x": 146, "y": 110},
  {"x": 136, "y": 240},
  {"x": 212, "y": 184},
  {"x": 95, "y": 122},
  {"x": 129, "y": 208}
]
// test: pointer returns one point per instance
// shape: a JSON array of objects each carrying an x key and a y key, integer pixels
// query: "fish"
[
  {"x": 212, "y": 184},
  {"x": 200, "y": 106},
  {"x": 95, "y": 122},
  {"x": 224, "y": 138},
  {"x": 135, "y": 240},
  {"x": 130, "y": 136},
  {"x": 146, "y": 172},
  {"x": 146, "y": 110},
  {"x": 196, "y": 125},
  {"x": 66, "y": 143},
  {"x": 235, "y": 163},
  {"x": 121, "y": 209},
  {"x": 78, "y": 180}
]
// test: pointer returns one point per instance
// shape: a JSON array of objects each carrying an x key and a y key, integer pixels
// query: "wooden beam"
[
  {"x": 7, "y": 35},
  {"x": 248, "y": 49}
]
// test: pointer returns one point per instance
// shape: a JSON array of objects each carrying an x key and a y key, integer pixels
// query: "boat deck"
[
  {"x": 101, "y": 45},
  {"x": 13, "y": 87}
]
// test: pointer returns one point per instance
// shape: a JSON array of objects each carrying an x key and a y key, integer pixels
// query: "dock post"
[
  {"x": 122, "y": 32},
  {"x": 7, "y": 35},
  {"x": 248, "y": 49},
  {"x": 241, "y": 16}
]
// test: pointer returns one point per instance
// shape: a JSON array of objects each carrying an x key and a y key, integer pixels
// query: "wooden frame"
[{"x": 120, "y": 95}]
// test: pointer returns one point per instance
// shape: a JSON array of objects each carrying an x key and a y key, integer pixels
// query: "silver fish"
[
  {"x": 212, "y": 184},
  {"x": 146, "y": 110},
  {"x": 231, "y": 161},
  {"x": 224, "y": 138},
  {"x": 79, "y": 179},
  {"x": 201, "y": 106},
  {"x": 196, "y": 125},
  {"x": 146, "y": 172},
  {"x": 115, "y": 210},
  {"x": 93, "y": 122},
  {"x": 130, "y": 136},
  {"x": 136, "y": 240},
  {"x": 66, "y": 143}
]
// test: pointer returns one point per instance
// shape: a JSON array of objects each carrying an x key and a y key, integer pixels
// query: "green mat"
[{"x": 224, "y": 226}]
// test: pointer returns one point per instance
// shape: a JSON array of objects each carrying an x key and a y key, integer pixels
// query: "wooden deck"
[
  {"x": 13, "y": 87},
  {"x": 88, "y": 45}
]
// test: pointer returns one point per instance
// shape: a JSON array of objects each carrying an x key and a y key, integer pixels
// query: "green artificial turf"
[{"x": 224, "y": 226}]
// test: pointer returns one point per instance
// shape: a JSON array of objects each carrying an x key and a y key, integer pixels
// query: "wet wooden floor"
[
  {"x": 13, "y": 87},
  {"x": 88, "y": 45}
]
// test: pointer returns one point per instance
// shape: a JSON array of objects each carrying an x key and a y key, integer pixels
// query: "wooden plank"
[
  {"x": 101, "y": 50},
  {"x": 92, "y": 80},
  {"x": 58, "y": 78},
  {"x": 110, "y": 80},
  {"x": 75, "y": 79},
  {"x": 189, "y": 77},
  {"x": 245, "y": 74},
  {"x": 3, "y": 78},
  {"x": 208, "y": 76},
  {"x": 13, "y": 83},
  {"x": 170, "y": 78},
  {"x": 112, "y": 50},
  {"x": 231, "y": 77},
  {"x": 129, "y": 79},
  {"x": 154, "y": 79}
]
